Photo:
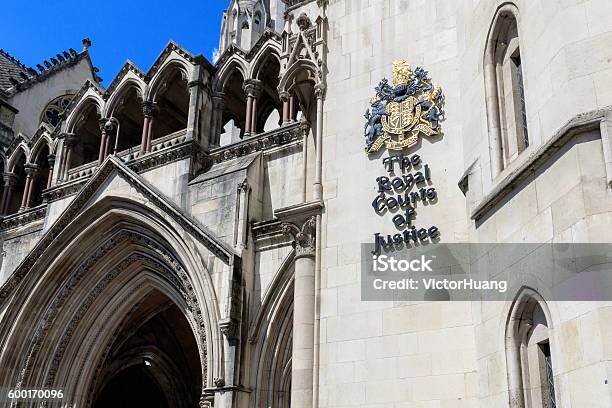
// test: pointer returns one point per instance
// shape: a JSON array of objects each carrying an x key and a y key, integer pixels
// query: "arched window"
[
  {"x": 505, "y": 87},
  {"x": 529, "y": 359},
  {"x": 14, "y": 199},
  {"x": 88, "y": 136},
  {"x": 269, "y": 102},
  {"x": 128, "y": 112},
  {"x": 53, "y": 110},
  {"x": 40, "y": 179},
  {"x": 257, "y": 26},
  {"x": 234, "y": 116},
  {"x": 172, "y": 102}
]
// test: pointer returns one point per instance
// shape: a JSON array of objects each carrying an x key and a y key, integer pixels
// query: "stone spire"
[{"x": 244, "y": 21}]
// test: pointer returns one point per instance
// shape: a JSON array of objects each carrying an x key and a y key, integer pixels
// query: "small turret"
[{"x": 244, "y": 21}]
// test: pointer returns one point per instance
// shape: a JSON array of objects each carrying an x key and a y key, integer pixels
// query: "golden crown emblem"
[{"x": 401, "y": 72}]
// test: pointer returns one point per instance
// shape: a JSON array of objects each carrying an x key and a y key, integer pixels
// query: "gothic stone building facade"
[{"x": 190, "y": 235}]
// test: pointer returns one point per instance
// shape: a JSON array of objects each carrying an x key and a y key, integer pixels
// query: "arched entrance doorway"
[
  {"x": 128, "y": 319},
  {"x": 153, "y": 361}
]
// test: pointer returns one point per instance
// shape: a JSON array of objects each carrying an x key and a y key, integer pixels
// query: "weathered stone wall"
[
  {"x": 381, "y": 353},
  {"x": 15, "y": 246},
  {"x": 33, "y": 100},
  {"x": 431, "y": 353}
]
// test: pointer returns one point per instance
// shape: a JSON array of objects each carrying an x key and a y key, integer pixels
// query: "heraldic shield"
[{"x": 400, "y": 112}]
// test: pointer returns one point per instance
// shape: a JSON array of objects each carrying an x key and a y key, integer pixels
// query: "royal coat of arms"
[{"x": 412, "y": 105}]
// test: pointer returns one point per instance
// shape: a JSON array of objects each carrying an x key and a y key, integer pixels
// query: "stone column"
[
  {"x": 516, "y": 398},
  {"x": 217, "y": 115},
  {"x": 252, "y": 88},
  {"x": 24, "y": 196},
  {"x": 305, "y": 128},
  {"x": 51, "y": 161},
  {"x": 254, "y": 114},
  {"x": 318, "y": 184},
  {"x": 243, "y": 216},
  {"x": 195, "y": 85},
  {"x": 292, "y": 108},
  {"x": 493, "y": 116},
  {"x": 31, "y": 174},
  {"x": 150, "y": 130},
  {"x": 69, "y": 142},
  {"x": 10, "y": 180},
  {"x": 284, "y": 97},
  {"x": 102, "y": 153},
  {"x": 302, "y": 355},
  {"x": 149, "y": 110},
  {"x": 247, "y": 121}
]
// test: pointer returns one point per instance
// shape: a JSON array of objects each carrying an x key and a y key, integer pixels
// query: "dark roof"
[
  {"x": 10, "y": 67},
  {"x": 16, "y": 77}
]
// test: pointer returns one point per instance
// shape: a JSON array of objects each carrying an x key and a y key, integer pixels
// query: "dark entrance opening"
[
  {"x": 154, "y": 360},
  {"x": 132, "y": 387}
]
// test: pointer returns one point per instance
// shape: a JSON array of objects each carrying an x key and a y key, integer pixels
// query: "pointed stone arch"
[
  {"x": 90, "y": 99},
  {"x": 169, "y": 93},
  {"x": 169, "y": 67},
  {"x": 44, "y": 140},
  {"x": 126, "y": 106},
  {"x": 271, "y": 335},
  {"x": 127, "y": 83},
  {"x": 124, "y": 240},
  {"x": 21, "y": 152},
  {"x": 529, "y": 317},
  {"x": 226, "y": 70},
  {"x": 271, "y": 48}
]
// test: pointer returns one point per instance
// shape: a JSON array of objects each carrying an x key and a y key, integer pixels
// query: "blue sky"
[{"x": 130, "y": 29}]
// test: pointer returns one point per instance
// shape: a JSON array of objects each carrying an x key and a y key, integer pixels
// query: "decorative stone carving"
[
  {"x": 23, "y": 218},
  {"x": 304, "y": 238},
  {"x": 149, "y": 109},
  {"x": 303, "y": 22},
  {"x": 229, "y": 327},
  {"x": 283, "y": 136},
  {"x": 253, "y": 87},
  {"x": 171, "y": 269}
]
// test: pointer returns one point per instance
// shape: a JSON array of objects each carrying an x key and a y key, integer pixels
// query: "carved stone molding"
[
  {"x": 23, "y": 218},
  {"x": 224, "y": 254},
  {"x": 229, "y": 327},
  {"x": 283, "y": 136},
  {"x": 304, "y": 237},
  {"x": 253, "y": 87},
  {"x": 171, "y": 269},
  {"x": 149, "y": 109},
  {"x": 303, "y": 22}
]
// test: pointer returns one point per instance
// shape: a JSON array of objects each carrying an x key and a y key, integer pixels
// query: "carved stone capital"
[
  {"x": 304, "y": 126},
  {"x": 149, "y": 109},
  {"x": 244, "y": 186},
  {"x": 69, "y": 139},
  {"x": 303, "y": 22},
  {"x": 229, "y": 328},
  {"x": 10, "y": 179},
  {"x": 218, "y": 100},
  {"x": 304, "y": 237},
  {"x": 51, "y": 160},
  {"x": 253, "y": 87},
  {"x": 31, "y": 169},
  {"x": 198, "y": 82},
  {"x": 206, "y": 402},
  {"x": 284, "y": 96},
  {"x": 319, "y": 90}
]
